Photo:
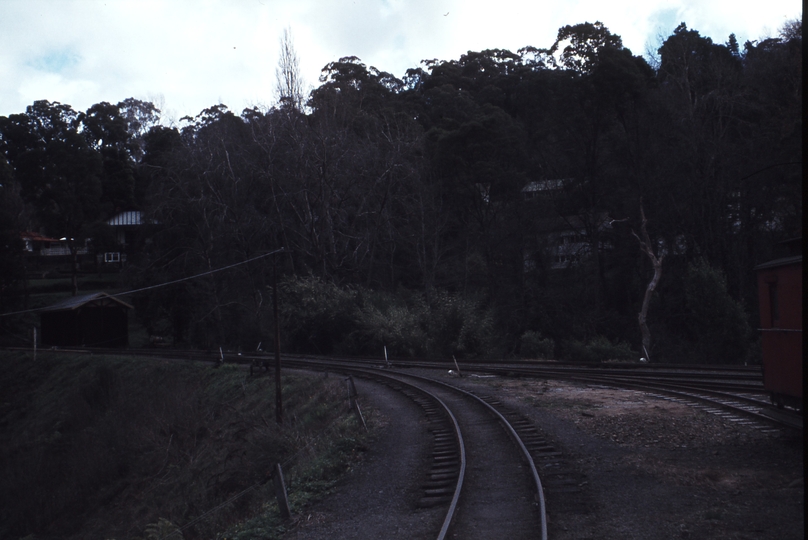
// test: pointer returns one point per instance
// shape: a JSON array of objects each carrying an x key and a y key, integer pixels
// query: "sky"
[{"x": 186, "y": 56}]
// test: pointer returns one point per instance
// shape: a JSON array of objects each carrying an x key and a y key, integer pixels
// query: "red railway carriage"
[{"x": 780, "y": 300}]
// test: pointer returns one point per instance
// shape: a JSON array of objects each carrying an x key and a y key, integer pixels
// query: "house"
[
  {"x": 544, "y": 189},
  {"x": 39, "y": 244},
  {"x": 561, "y": 240},
  {"x": 128, "y": 227},
  {"x": 91, "y": 320}
]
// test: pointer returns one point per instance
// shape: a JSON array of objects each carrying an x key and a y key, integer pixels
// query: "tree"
[
  {"x": 12, "y": 266},
  {"x": 58, "y": 171},
  {"x": 288, "y": 83},
  {"x": 656, "y": 261},
  {"x": 582, "y": 44},
  {"x": 107, "y": 132}
]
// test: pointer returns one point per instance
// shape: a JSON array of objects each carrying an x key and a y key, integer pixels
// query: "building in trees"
[
  {"x": 127, "y": 228},
  {"x": 92, "y": 320},
  {"x": 38, "y": 244}
]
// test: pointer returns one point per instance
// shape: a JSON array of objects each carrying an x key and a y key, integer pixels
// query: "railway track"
[{"x": 482, "y": 462}]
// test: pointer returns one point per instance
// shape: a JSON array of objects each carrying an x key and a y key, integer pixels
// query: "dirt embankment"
[{"x": 117, "y": 447}]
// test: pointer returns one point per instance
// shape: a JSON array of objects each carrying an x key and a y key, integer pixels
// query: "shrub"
[
  {"x": 532, "y": 345},
  {"x": 316, "y": 316},
  {"x": 598, "y": 349},
  {"x": 459, "y": 325},
  {"x": 716, "y": 322},
  {"x": 386, "y": 321}
]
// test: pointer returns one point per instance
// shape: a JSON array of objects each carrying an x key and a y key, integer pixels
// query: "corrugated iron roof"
[
  {"x": 131, "y": 217},
  {"x": 780, "y": 262},
  {"x": 75, "y": 302}
]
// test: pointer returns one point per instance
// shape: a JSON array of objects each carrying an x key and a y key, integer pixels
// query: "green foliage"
[
  {"x": 163, "y": 528},
  {"x": 162, "y": 442},
  {"x": 717, "y": 323},
  {"x": 460, "y": 325},
  {"x": 388, "y": 321},
  {"x": 316, "y": 316},
  {"x": 599, "y": 349},
  {"x": 533, "y": 345},
  {"x": 323, "y": 318}
]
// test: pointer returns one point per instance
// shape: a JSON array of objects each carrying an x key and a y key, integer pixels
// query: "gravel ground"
[
  {"x": 650, "y": 468},
  {"x": 660, "y": 469},
  {"x": 377, "y": 498}
]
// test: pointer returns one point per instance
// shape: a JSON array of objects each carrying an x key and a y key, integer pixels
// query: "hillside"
[{"x": 118, "y": 447}]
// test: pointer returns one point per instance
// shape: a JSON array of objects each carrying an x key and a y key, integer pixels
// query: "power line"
[{"x": 166, "y": 284}]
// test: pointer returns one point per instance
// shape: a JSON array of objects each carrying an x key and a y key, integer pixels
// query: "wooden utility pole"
[{"x": 278, "y": 396}]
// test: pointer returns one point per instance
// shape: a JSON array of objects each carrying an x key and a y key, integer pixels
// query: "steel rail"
[
  {"x": 377, "y": 374},
  {"x": 500, "y": 417},
  {"x": 514, "y": 436},
  {"x": 698, "y": 394}
]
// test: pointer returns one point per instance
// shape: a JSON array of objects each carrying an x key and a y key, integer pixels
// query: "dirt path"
[{"x": 377, "y": 498}]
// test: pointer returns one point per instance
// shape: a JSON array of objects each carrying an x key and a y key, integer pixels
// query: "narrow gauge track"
[
  {"x": 448, "y": 468},
  {"x": 499, "y": 493},
  {"x": 735, "y": 407}
]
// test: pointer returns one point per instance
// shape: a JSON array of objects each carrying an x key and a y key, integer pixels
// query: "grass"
[{"x": 108, "y": 446}]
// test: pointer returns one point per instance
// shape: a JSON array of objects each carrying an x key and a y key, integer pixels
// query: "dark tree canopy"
[{"x": 495, "y": 192}]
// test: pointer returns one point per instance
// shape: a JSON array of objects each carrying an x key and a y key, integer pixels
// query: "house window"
[{"x": 112, "y": 257}]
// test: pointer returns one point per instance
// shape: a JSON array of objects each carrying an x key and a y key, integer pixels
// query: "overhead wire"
[{"x": 159, "y": 285}]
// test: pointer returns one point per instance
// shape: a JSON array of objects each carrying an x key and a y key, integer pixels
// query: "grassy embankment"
[{"x": 125, "y": 448}]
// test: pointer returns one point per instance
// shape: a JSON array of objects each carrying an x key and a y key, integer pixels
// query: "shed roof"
[
  {"x": 785, "y": 261},
  {"x": 99, "y": 299}
]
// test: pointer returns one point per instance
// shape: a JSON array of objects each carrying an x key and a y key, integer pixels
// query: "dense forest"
[{"x": 501, "y": 204}]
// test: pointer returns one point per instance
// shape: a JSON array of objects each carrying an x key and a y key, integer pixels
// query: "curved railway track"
[{"x": 490, "y": 484}]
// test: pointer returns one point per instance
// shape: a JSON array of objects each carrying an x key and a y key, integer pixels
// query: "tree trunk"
[{"x": 646, "y": 246}]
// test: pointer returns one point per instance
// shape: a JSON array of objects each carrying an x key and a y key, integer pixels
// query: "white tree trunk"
[{"x": 647, "y": 247}]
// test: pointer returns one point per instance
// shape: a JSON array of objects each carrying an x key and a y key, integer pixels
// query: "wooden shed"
[{"x": 91, "y": 320}]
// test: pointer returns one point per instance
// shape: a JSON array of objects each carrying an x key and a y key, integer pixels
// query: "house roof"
[
  {"x": 130, "y": 217},
  {"x": 99, "y": 299},
  {"x": 36, "y": 237},
  {"x": 785, "y": 261},
  {"x": 545, "y": 185}
]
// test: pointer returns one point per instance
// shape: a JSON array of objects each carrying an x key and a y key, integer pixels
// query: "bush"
[
  {"x": 316, "y": 316},
  {"x": 598, "y": 349},
  {"x": 716, "y": 322},
  {"x": 458, "y": 325},
  {"x": 386, "y": 321},
  {"x": 532, "y": 345}
]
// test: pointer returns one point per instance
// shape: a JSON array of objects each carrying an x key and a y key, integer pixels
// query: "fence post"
[{"x": 280, "y": 493}]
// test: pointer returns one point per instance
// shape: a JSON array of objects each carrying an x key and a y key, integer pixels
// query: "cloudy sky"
[{"x": 186, "y": 55}]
